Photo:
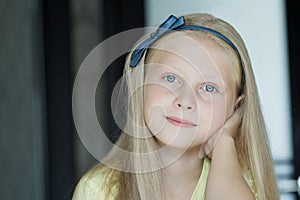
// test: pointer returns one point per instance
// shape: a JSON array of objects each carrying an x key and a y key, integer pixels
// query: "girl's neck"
[{"x": 182, "y": 175}]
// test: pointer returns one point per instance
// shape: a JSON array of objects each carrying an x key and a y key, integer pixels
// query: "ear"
[{"x": 239, "y": 101}]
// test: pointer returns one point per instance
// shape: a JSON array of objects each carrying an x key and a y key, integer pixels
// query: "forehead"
[{"x": 194, "y": 57}]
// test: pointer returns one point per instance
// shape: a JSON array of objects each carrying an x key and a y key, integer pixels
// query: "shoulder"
[{"x": 96, "y": 184}]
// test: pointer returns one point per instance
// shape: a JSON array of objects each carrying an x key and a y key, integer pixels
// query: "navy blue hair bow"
[
  {"x": 170, "y": 24},
  {"x": 174, "y": 23}
]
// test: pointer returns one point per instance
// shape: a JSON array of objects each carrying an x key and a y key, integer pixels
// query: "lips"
[{"x": 180, "y": 122}]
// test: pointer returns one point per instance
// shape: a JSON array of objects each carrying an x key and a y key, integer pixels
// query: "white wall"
[{"x": 262, "y": 26}]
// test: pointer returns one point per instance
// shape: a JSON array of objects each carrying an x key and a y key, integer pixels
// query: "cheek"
[
  {"x": 157, "y": 95},
  {"x": 153, "y": 96},
  {"x": 155, "y": 101},
  {"x": 218, "y": 114},
  {"x": 213, "y": 115}
]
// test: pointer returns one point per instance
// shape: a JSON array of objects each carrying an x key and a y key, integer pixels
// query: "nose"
[{"x": 185, "y": 100}]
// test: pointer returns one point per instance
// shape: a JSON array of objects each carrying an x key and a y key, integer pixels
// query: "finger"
[
  {"x": 229, "y": 128},
  {"x": 207, "y": 147},
  {"x": 232, "y": 123},
  {"x": 235, "y": 117}
]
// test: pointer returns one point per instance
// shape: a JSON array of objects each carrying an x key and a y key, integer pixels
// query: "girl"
[{"x": 194, "y": 126}]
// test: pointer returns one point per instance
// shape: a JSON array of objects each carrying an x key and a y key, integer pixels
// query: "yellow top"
[{"x": 93, "y": 187}]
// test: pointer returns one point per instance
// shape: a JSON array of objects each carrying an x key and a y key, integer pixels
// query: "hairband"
[{"x": 174, "y": 23}]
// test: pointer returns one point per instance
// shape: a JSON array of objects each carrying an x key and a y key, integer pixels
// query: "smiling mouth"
[{"x": 180, "y": 122}]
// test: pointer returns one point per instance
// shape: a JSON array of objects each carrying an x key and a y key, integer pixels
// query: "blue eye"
[
  {"x": 170, "y": 78},
  {"x": 209, "y": 88}
]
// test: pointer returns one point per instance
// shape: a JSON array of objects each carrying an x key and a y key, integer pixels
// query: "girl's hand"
[
  {"x": 227, "y": 132},
  {"x": 225, "y": 179}
]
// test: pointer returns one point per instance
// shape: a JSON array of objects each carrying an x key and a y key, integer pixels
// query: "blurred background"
[{"x": 44, "y": 42}]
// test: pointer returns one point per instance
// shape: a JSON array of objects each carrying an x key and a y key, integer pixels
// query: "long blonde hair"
[{"x": 136, "y": 180}]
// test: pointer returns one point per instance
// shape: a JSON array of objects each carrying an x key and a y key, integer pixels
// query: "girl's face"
[{"x": 189, "y": 92}]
